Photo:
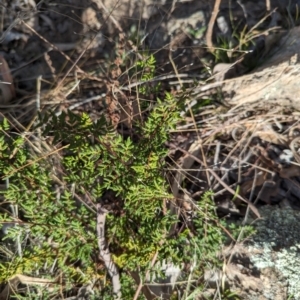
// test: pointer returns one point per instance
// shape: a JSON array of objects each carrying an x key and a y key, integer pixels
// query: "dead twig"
[
  {"x": 228, "y": 188},
  {"x": 118, "y": 26},
  {"x": 57, "y": 49},
  {"x": 211, "y": 24},
  {"x": 138, "y": 291},
  {"x": 268, "y": 5},
  {"x": 105, "y": 253}
]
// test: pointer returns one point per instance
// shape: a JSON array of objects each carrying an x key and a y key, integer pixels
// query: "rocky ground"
[{"x": 58, "y": 44}]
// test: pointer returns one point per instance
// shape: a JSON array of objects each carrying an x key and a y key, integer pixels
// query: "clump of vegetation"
[
  {"x": 55, "y": 193},
  {"x": 55, "y": 177}
]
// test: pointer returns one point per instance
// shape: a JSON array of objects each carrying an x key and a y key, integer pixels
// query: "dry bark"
[{"x": 274, "y": 82}]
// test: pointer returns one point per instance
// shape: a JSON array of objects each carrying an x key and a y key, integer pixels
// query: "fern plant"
[
  {"x": 52, "y": 186},
  {"x": 55, "y": 197}
]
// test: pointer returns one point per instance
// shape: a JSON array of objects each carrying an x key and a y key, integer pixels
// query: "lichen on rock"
[{"x": 276, "y": 245}]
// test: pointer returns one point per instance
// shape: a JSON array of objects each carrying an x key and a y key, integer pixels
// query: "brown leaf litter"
[{"x": 250, "y": 149}]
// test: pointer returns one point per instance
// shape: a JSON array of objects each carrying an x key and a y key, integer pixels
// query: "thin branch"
[
  {"x": 105, "y": 254},
  {"x": 211, "y": 24},
  {"x": 268, "y": 5}
]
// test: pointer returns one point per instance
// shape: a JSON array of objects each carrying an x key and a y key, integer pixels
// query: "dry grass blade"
[
  {"x": 12, "y": 285},
  {"x": 257, "y": 138},
  {"x": 228, "y": 188}
]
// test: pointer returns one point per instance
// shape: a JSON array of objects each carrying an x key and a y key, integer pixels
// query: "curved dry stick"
[
  {"x": 105, "y": 254},
  {"x": 211, "y": 24}
]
